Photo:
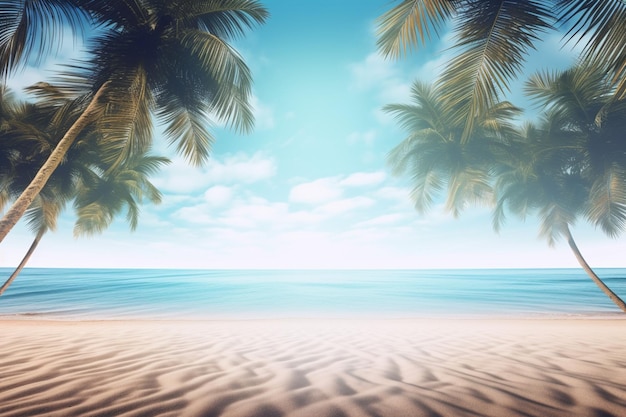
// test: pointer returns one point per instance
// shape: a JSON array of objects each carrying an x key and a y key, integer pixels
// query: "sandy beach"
[{"x": 314, "y": 368}]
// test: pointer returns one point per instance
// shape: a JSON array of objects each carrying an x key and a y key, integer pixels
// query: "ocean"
[{"x": 100, "y": 294}]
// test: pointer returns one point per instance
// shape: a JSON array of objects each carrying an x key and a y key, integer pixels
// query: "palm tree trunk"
[
  {"x": 19, "y": 268},
  {"x": 13, "y": 215},
  {"x": 614, "y": 297}
]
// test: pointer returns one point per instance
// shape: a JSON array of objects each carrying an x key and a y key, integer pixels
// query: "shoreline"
[
  {"x": 313, "y": 367},
  {"x": 62, "y": 318}
]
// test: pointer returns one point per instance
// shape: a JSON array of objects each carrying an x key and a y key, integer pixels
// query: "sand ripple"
[{"x": 314, "y": 368}]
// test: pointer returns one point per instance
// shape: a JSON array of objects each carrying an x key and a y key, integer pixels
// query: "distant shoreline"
[{"x": 53, "y": 319}]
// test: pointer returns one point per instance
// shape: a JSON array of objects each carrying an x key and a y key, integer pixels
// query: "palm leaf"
[
  {"x": 186, "y": 128},
  {"x": 231, "y": 74},
  {"x": 117, "y": 14},
  {"x": 43, "y": 214},
  {"x": 492, "y": 41},
  {"x": 577, "y": 94},
  {"x": 91, "y": 219},
  {"x": 470, "y": 186},
  {"x": 31, "y": 29},
  {"x": 411, "y": 23},
  {"x": 552, "y": 222},
  {"x": 602, "y": 24},
  {"x": 107, "y": 193},
  {"x": 607, "y": 201},
  {"x": 126, "y": 126},
  {"x": 226, "y": 19}
]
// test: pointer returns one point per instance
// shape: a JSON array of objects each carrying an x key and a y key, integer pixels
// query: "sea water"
[{"x": 251, "y": 294}]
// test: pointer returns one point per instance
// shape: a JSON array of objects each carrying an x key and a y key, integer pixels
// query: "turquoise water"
[{"x": 161, "y": 294}]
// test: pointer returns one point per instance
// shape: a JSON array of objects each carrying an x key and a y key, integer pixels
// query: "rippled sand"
[{"x": 316, "y": 368}]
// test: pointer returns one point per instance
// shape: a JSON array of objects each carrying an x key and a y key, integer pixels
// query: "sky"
[{"x": 310, "y": 187}]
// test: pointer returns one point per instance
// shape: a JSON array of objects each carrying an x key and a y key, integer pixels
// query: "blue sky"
[{"x": 310, "y": 188}]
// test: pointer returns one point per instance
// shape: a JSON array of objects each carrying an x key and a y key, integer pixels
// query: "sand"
[{"x": 320, "y": 368}]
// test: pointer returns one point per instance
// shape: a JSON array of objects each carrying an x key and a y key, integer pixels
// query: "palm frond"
[
  {"x": 43, "y": 214},
  {"x": 147, "y": 165},
  {"x": 510, "y": 194},
  {"x": 91, "y": 219},
  {"x": 226, "y": 19},
  {"x": 232, "y": 77},
  {"x": 410, "y": 23},
  {"x": 607, "y": 201},
  {"x": 32, "y": 29},
  {"x": 186, "y": 129},
  {"x": 9, "y": 104},
  {"x": 425, "y": 111},
  {"x": 469, "y": 186},
  {"x": 602, "y": 24},
  {"x": 576, "y": 94},
  {"x": 48, "y": 92},
  {"x": 117, "y": 14},
  {"x": 126, "y": 127},
  {"x": 492, "y": 41},
  {"x": 497, "y": 121},
  {"x": 105, "y": 194},
  {"x": 554, "y": 221},
  {"x": 4, "y": 195}
]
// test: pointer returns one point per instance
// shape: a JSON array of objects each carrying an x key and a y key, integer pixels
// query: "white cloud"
[
  {"x": 269, "y": 216},
  {"x": 430, "y": 70},
  {"x": 372, "y": 71},
  {"x": 198, "y": 214},
  {"x": 393, "y": 193},
  {"x": 324, "y": 190},
  {"x": 383, "y": 75},
  {"x": 175, "y": 200},
  {"x": 345, "y": 205},
  {"x": 259, "y": 211},
  {"x": 241, "y": 168},
  {"x": 180, "y": 178},
  {"x": 363, "y": 179},
  {"x": 264, "y": 115},
  {"x": 218, "y": 195},
  {"x": 384, "y": 220},
  {"x": 395, "y": 90},
  {"x": 316, "y": 192},
  {"x": 323, "y": 197},
  {"x": 303, "y": 218}
]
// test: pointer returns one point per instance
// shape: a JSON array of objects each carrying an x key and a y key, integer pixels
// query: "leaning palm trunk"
[
  {"x": 26, "y": 258},
  {"x": 22, "y": 203},
  {"x": 614, "y": 297}
]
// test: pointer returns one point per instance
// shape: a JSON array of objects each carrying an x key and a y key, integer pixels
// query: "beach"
[{"x": 314, "y": 367}]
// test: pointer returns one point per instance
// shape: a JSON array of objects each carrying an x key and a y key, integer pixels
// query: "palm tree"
[
  {"x": 573, "y": 164},
  {"x": 435, "y": 155},
  {"x": 41, "y": 217},
  {"x": 98, "y": 199},
  {"x": 584, "y": 109},
  {"x": 493, "y": 37},
  {"x": 170, "y": 60},
  {"x": 30, "y": 134},
  {"x": 28, "y": 138}
]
